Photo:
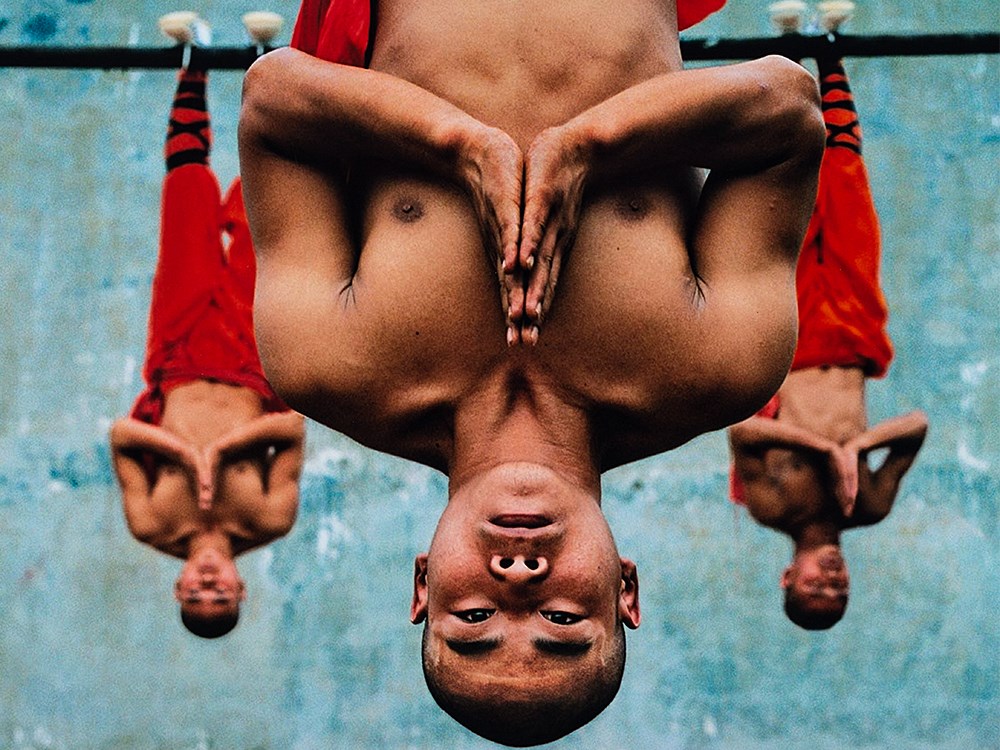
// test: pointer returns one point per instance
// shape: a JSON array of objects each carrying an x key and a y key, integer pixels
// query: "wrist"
[
  {"x": 583, "y": 141},
  {"x": 462, "y": 143}
]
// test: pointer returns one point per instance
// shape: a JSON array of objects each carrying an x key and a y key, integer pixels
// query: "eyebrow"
[
  {"x": 562, "y": 648},
  {"x": 473, "y": 648}
]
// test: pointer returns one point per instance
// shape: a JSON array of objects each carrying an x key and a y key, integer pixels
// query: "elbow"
[
  {"x": 288, "y": 376},
  {"x": 293, "y": 368},
  {"x": 792, "y": 99},
  {"x": 142, "y": 533},
  {"x": 253, "y": 103},
  {"x": 261, "y": 87}
]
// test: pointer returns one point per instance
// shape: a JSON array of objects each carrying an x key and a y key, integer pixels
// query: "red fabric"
[
  {"x": 201, "y": 311},
  {"x": 690, "y": 12},
  {"x": 338, "y": 30},
  {"x": 333, "y": 30},
  {"x": 842, "y": 311}
]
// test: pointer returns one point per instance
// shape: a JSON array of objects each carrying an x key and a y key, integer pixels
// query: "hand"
[
  {"x": 207, "y": 468},
  {"x": 494, "y": 169},
  {"x": 556, "y": 170},
  {"x": 844, "y": 471}
]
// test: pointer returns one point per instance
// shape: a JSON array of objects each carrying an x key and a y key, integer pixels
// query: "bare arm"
[
  {"x": 279, "y": 439},
  {"x": 749, "y": 440},
  {"x": 304, "y": 123},
  {"x": 130, "y": 441},
  {"x": 756, "y": 126},
  {"x": 877, "y": 490}
]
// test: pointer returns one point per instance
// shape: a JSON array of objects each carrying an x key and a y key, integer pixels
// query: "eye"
[
  {"x": 562, "y": 618},
  {"x": 474, "y": 615}
]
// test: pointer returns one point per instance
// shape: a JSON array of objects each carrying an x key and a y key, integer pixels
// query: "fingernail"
[
  {"x": 510, "y": 337},
  {"x": 538, "y": 310},
  {"x": 530, "y": 262},
  {"x": 533, "y": 334}
]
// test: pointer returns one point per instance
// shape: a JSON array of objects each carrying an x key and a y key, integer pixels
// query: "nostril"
[
  {"x": 531, "y": 564},
  {"x": 506, "y": 562}
]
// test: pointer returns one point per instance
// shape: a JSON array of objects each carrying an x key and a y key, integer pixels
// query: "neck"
[
  {"x": 816, "y": 534},
  {"x": 525, "y": 430},
  {"x": 210, "y": 539}
]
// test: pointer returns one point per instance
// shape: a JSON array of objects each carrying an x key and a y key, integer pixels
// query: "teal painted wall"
[{"x": 92, "y": 655}]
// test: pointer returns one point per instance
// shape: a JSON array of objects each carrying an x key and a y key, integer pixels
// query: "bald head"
[{"x": 524, "y": 704}]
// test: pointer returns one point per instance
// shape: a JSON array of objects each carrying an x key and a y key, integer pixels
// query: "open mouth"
[{"x": 521, "y": 521}]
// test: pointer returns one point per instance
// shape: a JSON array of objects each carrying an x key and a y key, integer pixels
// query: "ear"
[
  {"x": 418, "y": 607},
  {"x": 628, "y": 596},
  {"x": 786, "y": 577}
]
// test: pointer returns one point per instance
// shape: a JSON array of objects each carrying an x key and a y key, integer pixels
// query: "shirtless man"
[
  {"x": 801, "y": 465},
  {"x": 386, "y": 204},
  {"x": 209, "y": 459}
]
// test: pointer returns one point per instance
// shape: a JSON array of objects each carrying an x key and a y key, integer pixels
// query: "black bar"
[
  {"x": 798, "y": 46},
  {"x": 123, "y": 58},
  {"x": 790, "y": 45}
]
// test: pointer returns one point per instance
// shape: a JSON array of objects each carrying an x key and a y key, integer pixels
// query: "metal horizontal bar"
[
  {"x": 123, "y": 58},
  {"x": 790, "y": 45},
  {"x": 800, "y": 46}
]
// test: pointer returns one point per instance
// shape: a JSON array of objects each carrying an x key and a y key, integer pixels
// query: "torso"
[
  {"x": 201, "y": 412},
  {"x": 629, "y": 340},
  {"x": 527, "y": 66},
  {"x": 828, "y": 401}
]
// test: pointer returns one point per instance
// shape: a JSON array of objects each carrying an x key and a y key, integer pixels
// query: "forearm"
[
  {"x": 283, "y": 427},
  {"x": 131, "y": 435},
  {"x": 740, "y": 118},
  {"x": 903, "y": 436},
  {"x": 308, "y": 110},
  {"x": 906, "y": 432},
  {"x": 758, "y": 434}
]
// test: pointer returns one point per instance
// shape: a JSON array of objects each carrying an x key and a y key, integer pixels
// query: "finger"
[
  {"x": 562, "y": 247},
  {"x": 849, "y": 493},
  {"x": 512, "y": 287},
  {"x": 205, "y": 497},
  {"x": 540, "y": 277},
  {"x": 514, "y": 290},
  {"x": 509, "y": 219},
  {"x": 512, "y": 293},
  {"x": 545, "y": 303},
  {"x": 536, "y": 214}
]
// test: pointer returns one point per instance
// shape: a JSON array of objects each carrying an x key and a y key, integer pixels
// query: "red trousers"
[
  {"x": 201, "y": 311},
  {"x": 842, "y": 311}
]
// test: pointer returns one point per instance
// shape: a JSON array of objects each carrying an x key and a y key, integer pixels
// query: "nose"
[
  {"x": 208, "y": 577},
  {"x": 518, "y": 568}
]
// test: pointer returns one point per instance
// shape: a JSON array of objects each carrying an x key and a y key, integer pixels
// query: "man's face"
[
  {"x": 523, "y": 588},
  {"x": 819, "y": 577},
  {"x": 209, "y": 585}
]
